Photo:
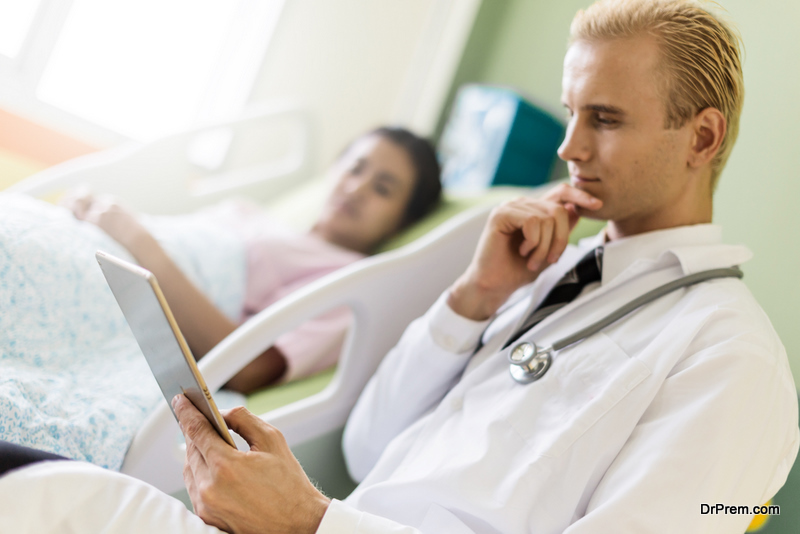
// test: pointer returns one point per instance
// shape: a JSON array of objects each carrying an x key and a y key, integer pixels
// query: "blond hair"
[{"x": 701, "y": 57}]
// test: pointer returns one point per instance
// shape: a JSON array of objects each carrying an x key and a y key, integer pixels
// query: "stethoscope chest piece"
[{"x": 529, "y": 362}]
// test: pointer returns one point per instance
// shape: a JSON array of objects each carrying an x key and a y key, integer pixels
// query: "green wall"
[{"x": 522, "y": 43}]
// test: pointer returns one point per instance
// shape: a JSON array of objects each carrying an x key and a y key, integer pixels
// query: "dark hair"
[{"x": 427, "y": 190}]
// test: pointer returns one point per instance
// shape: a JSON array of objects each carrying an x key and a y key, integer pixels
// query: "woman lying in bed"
[{"x": 384, "y": 181}]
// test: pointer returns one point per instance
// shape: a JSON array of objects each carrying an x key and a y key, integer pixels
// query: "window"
[
  {"x": 15, "y": 22},
  {"x": 132, "y": 68}
]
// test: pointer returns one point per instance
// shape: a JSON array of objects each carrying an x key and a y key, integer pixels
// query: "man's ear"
[{"x": 708, "y": 130}]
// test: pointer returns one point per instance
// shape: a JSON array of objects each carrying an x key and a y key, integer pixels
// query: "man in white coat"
[{"x": 686, "y": 401}]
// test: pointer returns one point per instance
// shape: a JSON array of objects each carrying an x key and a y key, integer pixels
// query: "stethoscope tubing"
[
  {"x": 648, "y": 297},
  {"x": 529, "y": 362}
]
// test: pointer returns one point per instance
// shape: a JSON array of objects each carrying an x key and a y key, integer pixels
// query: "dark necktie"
[{"x": 565, "y": 291}]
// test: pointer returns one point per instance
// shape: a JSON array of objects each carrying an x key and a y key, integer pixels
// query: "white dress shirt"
[{"x": 688, "y": 400}]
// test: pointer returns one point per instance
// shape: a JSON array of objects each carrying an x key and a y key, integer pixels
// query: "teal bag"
[{"x": 495, "y": 137}]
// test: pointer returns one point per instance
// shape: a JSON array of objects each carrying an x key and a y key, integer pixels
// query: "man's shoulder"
[{"x": 727, "y": 313}]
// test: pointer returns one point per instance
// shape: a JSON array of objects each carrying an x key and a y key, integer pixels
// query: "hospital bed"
[{"x": 186, "y": 171}]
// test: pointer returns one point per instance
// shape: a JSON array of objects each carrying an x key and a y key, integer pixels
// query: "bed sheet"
[{"x": 72, "y": 378}]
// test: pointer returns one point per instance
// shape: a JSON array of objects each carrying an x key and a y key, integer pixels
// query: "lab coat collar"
[{"x": 696, "y": 248}]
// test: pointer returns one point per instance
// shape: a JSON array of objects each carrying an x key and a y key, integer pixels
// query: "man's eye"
[{"x": 605, "y": 121}]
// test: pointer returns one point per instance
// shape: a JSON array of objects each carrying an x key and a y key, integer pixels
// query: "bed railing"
[{"x": 266, "y": 151}]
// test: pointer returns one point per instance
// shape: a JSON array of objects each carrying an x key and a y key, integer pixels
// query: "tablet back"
[{"x": 150, "y": 319}]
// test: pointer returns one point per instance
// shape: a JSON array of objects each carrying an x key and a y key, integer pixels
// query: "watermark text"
[{"x": 718, "y": 509}]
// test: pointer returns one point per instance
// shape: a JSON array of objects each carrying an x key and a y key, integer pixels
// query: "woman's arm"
[{"x": 202, "y": 324}]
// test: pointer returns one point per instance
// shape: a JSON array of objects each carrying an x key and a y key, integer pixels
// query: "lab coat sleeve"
[
  {"x": 410, "y": 382},
  {"x": 54, "y": 497},
  {"x": 343, "y": 519},
  {"x": 722, "y": 429}
]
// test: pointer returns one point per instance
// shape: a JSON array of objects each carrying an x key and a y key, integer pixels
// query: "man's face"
[{"x": 616, "y": 147}]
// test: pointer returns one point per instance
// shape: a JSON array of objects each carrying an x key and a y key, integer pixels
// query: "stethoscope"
[{"x": 530, "y": 362}]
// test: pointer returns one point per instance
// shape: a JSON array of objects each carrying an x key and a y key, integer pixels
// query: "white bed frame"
[
  {"x": 385, "y": 292},
  {"x": 263, "y": 153}
]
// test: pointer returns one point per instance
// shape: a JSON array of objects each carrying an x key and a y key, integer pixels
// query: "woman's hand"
[
  {"x": 115, "y": 220},
  {"x": 521, "y": 239},
  {"x": 263, "y": 490}
]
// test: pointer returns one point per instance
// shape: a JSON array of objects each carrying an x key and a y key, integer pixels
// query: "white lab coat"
[{"x": 688, "y": 400}]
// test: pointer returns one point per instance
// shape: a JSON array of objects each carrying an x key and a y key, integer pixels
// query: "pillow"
[{"x": 298, "y": 208}]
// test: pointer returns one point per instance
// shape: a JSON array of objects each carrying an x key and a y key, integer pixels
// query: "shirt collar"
[{"x": 695, "y": 248}]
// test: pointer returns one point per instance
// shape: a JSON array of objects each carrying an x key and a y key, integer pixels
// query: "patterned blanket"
[{"x": 72, "y": 378}]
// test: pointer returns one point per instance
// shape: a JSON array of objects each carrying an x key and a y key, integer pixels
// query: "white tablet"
[{"x": 151, "y": 321}]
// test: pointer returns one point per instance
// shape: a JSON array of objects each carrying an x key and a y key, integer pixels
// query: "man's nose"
[{"x": 576, "y": 144}]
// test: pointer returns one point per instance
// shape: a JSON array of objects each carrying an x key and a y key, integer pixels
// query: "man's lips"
[{"x": 579, "y": 179}]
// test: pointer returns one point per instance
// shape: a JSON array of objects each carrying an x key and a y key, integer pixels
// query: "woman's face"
[{"x": 374, "y": 180}]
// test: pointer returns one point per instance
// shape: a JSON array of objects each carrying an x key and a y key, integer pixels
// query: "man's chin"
[{"x": 597, "y": 215}]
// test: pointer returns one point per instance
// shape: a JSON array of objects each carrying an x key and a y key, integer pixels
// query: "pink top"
[{"x": 280, "y": 261}]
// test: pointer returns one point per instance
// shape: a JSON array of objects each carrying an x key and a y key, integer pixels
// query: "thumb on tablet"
[{"x": 260, "y": 435}]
